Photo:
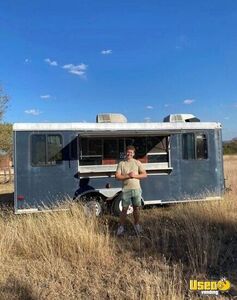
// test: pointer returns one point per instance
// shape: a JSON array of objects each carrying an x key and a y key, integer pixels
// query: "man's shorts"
[{"x": 131, "y": 197}]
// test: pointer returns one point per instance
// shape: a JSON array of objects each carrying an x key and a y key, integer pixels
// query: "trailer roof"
[{"x": 108, "y": 127}]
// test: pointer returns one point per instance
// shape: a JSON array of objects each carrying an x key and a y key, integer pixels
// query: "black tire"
[
  {"x": 117, "y": 206},
  {"x": 92, "y": 208},
  {"x": 93, "y": 204}
]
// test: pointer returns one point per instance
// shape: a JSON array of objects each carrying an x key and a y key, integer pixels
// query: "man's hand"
[
  {"x": 132, "y": 174},
  {"x": 119, "y": 176}
]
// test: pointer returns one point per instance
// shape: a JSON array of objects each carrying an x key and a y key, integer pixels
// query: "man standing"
[{"x": 130, "y": 171}]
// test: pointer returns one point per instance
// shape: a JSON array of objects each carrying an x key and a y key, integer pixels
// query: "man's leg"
[
  {"x": 136, "y": 202},
  {"x": 122, "y": 219},
  {"x": 136, "y": 214},
  {"x": 123, "y": 216},
  {"x": 126, "y": 201}
]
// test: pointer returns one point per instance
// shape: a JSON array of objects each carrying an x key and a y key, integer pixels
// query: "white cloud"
[
  {"x": 51, "y": 62},
  {"x": 149, "y": 107},
  {"x": 79, "y": 70},
  {"x": 147, "y": 119},
  {"x": 27, "y": 61},
  {"x": 45, "y": 96},
  {"x": 188, "y": 101},
  {"x": 166, "y": 105},
  {"x": 33, "y": 111},
  {"x": 106, "y": 52}
]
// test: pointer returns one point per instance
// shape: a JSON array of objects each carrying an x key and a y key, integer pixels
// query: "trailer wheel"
[
  {"x": 93, "y": 204},
  {"x": 92, "y": 208},
  {"x": 117, "y": 206}
]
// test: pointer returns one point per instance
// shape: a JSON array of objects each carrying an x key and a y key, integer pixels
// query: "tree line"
[
  {"x": 5, "y": 128},
  {"x": 230, "y": 148}
]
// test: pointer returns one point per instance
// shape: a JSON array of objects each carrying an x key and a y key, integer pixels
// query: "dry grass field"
[{"x": 64, "y": 255}]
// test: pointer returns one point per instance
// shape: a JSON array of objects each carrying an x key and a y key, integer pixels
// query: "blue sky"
[{"x": 66, "y": 61}]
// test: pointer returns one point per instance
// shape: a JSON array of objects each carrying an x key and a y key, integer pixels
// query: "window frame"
[
  {"x": 195, "y": 135},
  {"x": 47, "y": 162}
]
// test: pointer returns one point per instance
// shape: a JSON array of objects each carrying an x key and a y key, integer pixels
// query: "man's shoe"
[
  {"x": 138, "y": 228},
  {"x": 120, "y": 230}
]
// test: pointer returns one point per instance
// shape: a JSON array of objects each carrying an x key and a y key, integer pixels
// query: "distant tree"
[
  {"x": 230, "y": 147},
  {"x": 4, "y": 100},
  {"x": 6, "y": 141},
  {"x": 5, "y": 129}
]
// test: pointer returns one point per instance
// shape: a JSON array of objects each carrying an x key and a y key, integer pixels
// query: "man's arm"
[
  {"x": 119, "y": 176},
  {"x": 141, "y": 171},
  {"x": 141, "y": 175}
]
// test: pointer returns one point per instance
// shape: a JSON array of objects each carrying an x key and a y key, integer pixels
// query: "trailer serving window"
[
  {"x": 46, "y": 149},
  {"x": 194, "y": 146},
  {"x": 109, "y": 151}
]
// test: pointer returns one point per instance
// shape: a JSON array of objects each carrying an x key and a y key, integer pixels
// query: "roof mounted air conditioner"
[
  {"x": 181, "y": 118},
  {"x": 111, "y": 118}
]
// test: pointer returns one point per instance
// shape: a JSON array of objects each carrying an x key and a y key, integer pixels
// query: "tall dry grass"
[
  {"x": 230, "y": 168},
  {"x": 65, "y": 255}
]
